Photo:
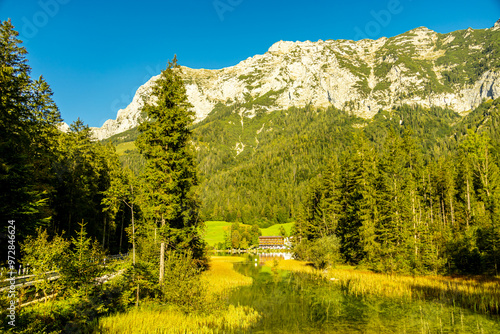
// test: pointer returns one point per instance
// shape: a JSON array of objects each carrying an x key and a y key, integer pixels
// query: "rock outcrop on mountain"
[{"x": 455, "y": 70}]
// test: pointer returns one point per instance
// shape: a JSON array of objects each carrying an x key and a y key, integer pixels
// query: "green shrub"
[
  {"x": 181, "y": 285},
  {"x": 323, "y": 252}
]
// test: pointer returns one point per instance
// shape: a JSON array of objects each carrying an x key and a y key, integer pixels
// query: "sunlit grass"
[
  {"x": 122, "y": 147},
  {"x": 214, "y": 232},
  {"x": 291, "y": 265},
  {"x": 154, "y": 319},
  {"x": 480, "y": 294},
  {"x": 275, "y": 229},
  {"x": 220, "y": 279}
]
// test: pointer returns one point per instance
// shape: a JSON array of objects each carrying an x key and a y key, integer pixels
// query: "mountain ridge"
[{"x": 456, "y": 70}]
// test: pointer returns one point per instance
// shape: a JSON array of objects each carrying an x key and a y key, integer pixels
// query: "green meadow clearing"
[
  {"x": 275, "y": 229},
  {"x": 214, "y": 230},
  {"x": 122, "y": 148}
]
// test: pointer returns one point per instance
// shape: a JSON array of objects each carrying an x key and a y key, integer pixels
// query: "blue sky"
[{"x": 95, "y": 54}]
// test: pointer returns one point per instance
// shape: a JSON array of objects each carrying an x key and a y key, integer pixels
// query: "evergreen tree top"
[{"x": 12, "y": 54}]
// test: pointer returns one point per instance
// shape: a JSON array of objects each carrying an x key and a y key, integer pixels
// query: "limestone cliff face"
[
  {"x": 455, "y": 70},
  {"x": 127, "y": 118}
]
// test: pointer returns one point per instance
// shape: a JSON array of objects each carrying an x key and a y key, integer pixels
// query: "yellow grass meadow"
[
  {"x": 219, "y": 279},
  {"x": 480, "y": 294}
]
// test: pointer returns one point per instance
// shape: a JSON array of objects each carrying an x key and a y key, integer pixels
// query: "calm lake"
[{"x": 292, "y": 302}]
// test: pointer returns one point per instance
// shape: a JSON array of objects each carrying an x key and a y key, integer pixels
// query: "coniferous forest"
[
  {"x": 412, "y": 192},
  {"x": 67, "y": 204}
]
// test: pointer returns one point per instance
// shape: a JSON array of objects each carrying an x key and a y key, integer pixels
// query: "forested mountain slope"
[{"x": 257, "y": 169}]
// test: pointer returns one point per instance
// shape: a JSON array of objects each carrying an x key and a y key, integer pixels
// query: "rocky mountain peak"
[
  {"x": 496, "y": 26},
  {"x": 417, "y": 67},
  {"x": 282, "y": 47}
]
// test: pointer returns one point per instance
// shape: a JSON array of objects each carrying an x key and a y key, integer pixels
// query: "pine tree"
[
  {"x": 42, "y": 255},
  {"x": 369, "y": 208},
  {"x": 282, "y": 231},
  {"x": 308, "y": 225},
  {"x": 359, "y": 213},
  {"x": 16, "y": 200},
  {"x": 82, "y": 263},
  {"x": 170, "y": 171},
  {"x": 487, "y": 178},
  {"x": 393, "y": 231},
  {"x": 467, "y": 194},
  {"x": 27, "y": 129}
]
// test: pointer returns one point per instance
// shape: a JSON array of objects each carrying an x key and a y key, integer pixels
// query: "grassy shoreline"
[
  {"x": 477, "y": 293},
  {"x": 219, "y": 280}
]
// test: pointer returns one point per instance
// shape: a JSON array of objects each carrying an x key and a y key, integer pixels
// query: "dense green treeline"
[
  {"x": 399, "y": 207},
  {"x": 282, "y": 151},
  {"x": 48, "y": 178},
  {"x": 285, "y": 149},
  {"x": 255, "y": 169}
]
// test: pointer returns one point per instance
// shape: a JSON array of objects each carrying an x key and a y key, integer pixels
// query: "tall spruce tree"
[
  {"x": 351, "y": 199},
  {"x": 27, "y": 128},
  {"x": 170, "y": 171}
]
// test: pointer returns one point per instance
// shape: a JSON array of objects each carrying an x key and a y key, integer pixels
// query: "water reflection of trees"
[{"x": 301, "y": 302}]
